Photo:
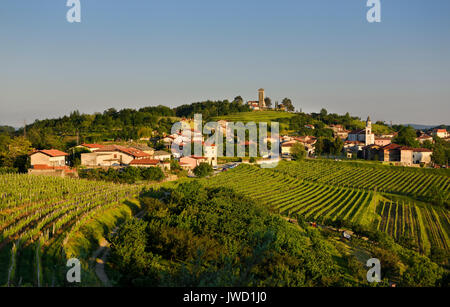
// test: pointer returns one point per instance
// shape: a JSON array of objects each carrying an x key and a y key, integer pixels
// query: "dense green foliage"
[
  {"x": 123, "y": 175},
  {"x": 210, "y": 109},
  {"x": 298, "y": 151},
  {"x": 214, "y": 237},
  {"x": 14, "y": 152},
  {"x": 203, "y": 170},
  {"x": 195, "y": 236},
  {"x": 407, "y": 137}
]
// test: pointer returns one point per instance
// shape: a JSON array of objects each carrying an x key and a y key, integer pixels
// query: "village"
[{"x": 360, "y": 144}]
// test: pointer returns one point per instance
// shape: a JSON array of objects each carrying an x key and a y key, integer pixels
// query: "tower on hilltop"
[{"x": 262, "y": 103}]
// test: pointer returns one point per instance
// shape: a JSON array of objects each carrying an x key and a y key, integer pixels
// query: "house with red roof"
[
  {"x": 90, "y": 147},
  {"x": 425, "y": 137},
  {"x": 441, "y": 133},
  {"x": 404, "y": 155},
  {"x": 192, "y": 162},
  {"x": 112, "y": 155},
  {"x": 48, "y": 158}
]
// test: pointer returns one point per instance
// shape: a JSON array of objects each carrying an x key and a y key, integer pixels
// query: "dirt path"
[{"x": 100, "y": 256}]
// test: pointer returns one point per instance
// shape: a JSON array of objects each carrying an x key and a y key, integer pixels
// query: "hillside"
[{"x": 395, "y": 201}]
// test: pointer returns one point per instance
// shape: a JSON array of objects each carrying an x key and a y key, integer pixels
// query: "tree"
[
  {"x": 16, "y": 154},
  {"x": 319, "y": 146},
  {"x": 203, "y": 170},
  {"x": 407, "y": 137},
  {"x": 238, "y": 100},
  {"x": 298, "y": 151},
  {"x": 287, "y": 103},
  {"x": 441, "y": 152},
  {"x": 338, "y": 145},
  {"x": 268, "y": 102},
  {"x": 74, "y": 158}
]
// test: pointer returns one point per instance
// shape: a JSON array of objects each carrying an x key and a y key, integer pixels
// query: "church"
[{"x": 365, "y": 135}]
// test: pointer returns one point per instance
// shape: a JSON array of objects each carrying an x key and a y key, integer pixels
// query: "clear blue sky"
[{"x": 134, "y": 53}]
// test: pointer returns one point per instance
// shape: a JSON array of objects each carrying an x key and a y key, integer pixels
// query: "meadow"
[{"x": 262, "y": 116}]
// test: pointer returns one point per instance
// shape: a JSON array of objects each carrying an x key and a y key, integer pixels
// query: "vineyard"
[
  {"x": 324, "y": 190},
  {"x": 38, "y": 216},
  {"x": 407, "y": 181}
]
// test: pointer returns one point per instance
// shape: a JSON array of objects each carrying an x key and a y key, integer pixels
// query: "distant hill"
[{"x": 422, "y": 127}]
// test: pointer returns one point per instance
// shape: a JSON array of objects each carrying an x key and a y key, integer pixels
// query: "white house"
[
  {"x": 422, "y": 155},
  {"x": 112, "y": 155},
  {"x": 441, "y": 133},
  {"x": 48, "y": 158},
  {"x": 162, "y": 155},
  {"x": 210, "y": 153}
]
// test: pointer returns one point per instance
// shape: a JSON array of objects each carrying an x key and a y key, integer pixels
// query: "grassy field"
[{"x": 257, "y": 116}]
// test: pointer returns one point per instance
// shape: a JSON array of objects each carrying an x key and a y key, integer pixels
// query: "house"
[
  {"x": 337, "y": 128},
  {"x": 340, "y": 131},
  {"x": 112, "y": 155},
  {"x": 48, "y": 158},
  {"x": 162, "y": 155},
  {"x": 406, "y": 156},
  {"x": 353, "y": 146},
  {"x": 253, "y": 105},
  {"x": 145, "y": 163},
  {"x": 382, "y": 141},
  {"x": 286, "y": 148},
  {"x": 441, "y": 133},
  {"x": 371, "y": 152},
  {"x": 422, "y": 156},
  {"x": 150, "y": 163},
  {"x": 90, "y": 147},
  {"x": 210, "y": 153},
  {"x": 343, "y": 135},
  {"x": 425, "y": 137},
  {"x": 365, "y": 135},
  {"x": 310, "y": 127},
  {"x": 192, "y": 162},
  {"x": 144, "y": 148}
]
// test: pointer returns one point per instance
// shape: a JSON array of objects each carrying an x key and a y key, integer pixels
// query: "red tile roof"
[
  {"x": 93, "y": 145},
  {"x": 391, "y": 146},
  {"x": 47, "y": 167},
  {"x": 51, "y": 152},
  {"x": 144, "y": 162},
  {"x": 422, "y": 150},
  {"x": 130, "y": 151}
]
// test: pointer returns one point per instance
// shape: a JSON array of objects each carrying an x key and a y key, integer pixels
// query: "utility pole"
[{"x": 24, "y": 128}]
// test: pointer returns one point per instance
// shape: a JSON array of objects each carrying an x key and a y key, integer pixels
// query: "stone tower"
[
  {"x": 369, "y": 137},
  {"x": 262, "y": 103}
]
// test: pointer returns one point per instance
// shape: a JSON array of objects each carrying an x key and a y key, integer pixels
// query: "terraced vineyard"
[
  {"x": 324, "y": 190},
  {"x": 38, "y": 215},
  {"x": 289, "y": 195},
  {"x": 410, "y": 182},
  {"x": 425, "y": 225}
]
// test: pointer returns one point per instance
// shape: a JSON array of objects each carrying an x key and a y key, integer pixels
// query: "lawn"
[{"x": 257, "y": 116}]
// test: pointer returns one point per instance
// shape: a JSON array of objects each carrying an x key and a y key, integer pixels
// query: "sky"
[{"x": 136, "y": 53}]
